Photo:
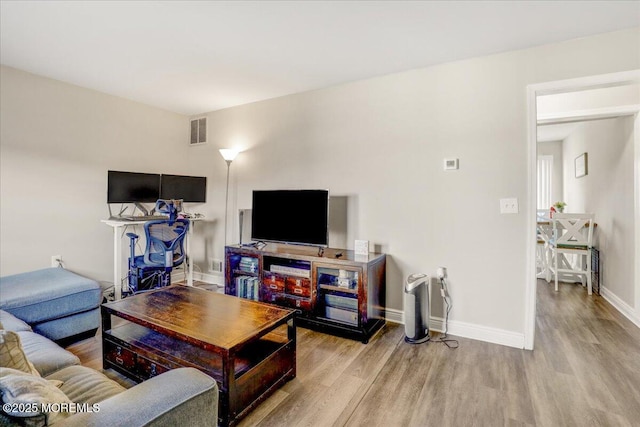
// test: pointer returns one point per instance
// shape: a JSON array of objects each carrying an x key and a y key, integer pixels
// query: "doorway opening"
[{"x": 579, "y": 108}]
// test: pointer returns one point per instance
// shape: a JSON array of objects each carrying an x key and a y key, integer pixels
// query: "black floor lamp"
[{"x": 228, "y": 155}]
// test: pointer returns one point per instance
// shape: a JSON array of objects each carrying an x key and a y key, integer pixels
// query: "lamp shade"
[{"x": 228, "y": 154}]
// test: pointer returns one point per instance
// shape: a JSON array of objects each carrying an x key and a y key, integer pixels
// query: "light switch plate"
[
  {"x": 509, "y": 206},
  {"x": 451, "y": 164}
]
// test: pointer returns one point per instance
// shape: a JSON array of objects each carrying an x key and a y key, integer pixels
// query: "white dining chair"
[
  {"x": 572, "y": 235},
  {"x": 543, "y": 215}
]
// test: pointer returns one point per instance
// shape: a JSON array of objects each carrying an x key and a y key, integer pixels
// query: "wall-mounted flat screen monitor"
[
  {"x": 291, "y": 216},
  {"x": 188, "y": 188},
  {"x": 132, "y": 187}
]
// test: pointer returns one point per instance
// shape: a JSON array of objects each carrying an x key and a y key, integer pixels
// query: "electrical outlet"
[
  {"x": 215, "y": 265},
  {"x": 56, "y": 260},
  {"x": 509, "y": 206}
]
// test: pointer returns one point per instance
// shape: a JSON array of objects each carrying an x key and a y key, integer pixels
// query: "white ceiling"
[
  {"x": 193, "y": 57},
  {"x": 558, "y": 132}
]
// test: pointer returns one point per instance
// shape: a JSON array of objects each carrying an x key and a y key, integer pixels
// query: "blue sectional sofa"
[
  {"x": 55, "y": 302},
  {"x": 183, "y": 396}
]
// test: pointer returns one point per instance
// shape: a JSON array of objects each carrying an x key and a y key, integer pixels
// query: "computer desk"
[{"x": 118, "y": 231}]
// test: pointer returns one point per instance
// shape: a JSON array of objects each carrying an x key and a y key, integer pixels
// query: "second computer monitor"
[{"x": 191, "y": 189}]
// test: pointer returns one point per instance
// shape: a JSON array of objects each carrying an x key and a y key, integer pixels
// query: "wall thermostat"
[{"x": 450, "y": 164}]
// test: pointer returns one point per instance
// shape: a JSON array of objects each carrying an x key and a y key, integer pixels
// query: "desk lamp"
[{"x": 228, "y": 155}]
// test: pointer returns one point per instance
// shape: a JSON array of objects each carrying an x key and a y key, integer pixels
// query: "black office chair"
[{"x": 164, "y": 251}]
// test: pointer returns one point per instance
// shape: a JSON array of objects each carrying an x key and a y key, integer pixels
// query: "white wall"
[
  {"x": 57, "y": 143},
  {"x": 607, "y": 191},
  {"x": 381, "y": 143}
]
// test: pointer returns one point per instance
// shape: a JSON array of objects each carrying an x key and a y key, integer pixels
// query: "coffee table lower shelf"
[{"x": 260, "y": 367}]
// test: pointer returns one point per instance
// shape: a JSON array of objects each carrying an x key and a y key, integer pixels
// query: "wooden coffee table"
[{"x": 249, "y": 348}]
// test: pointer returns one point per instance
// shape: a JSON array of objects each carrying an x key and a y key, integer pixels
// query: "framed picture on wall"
[{"x": 582, "y": 165}]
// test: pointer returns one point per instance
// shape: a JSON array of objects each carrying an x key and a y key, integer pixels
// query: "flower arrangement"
[{"x": 559, "y": 206}]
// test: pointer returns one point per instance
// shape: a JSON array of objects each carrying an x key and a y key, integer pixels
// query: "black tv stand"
[{"x": 334, "y": 291}]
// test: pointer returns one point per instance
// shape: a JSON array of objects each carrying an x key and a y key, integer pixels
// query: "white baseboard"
[
  {"x": 624, "y": 308},
  {"x": 487, "y": 334},
  {"x": 394, "y": 316},
  {"x": 466, "y": 330},
  {"x": 178, "y": 275},
  {"x": 436, "y": 324},
  {"x": 213, "y": 279}
]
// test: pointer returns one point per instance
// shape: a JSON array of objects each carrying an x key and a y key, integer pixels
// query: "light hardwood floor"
[{"x": 585, "y": 370}]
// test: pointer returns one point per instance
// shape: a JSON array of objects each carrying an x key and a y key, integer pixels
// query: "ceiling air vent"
[{"x": 198, "y": 131}]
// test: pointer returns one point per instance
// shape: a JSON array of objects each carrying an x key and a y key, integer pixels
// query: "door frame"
[{"x": 556, "y": 87}]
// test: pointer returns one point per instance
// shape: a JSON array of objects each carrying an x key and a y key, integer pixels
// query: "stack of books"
[
  {"x": 248, "y": 264},
  {"x": 247, "y": 287}
]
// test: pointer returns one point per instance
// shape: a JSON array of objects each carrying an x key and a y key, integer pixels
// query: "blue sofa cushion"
[
  {"x": 52, "y": 293},
  {"x": 46, "y": 356},
  {"x": 68, "y": 326},
  {"x": 12, "y": 323},
  {"x": 85, "y": 385}
]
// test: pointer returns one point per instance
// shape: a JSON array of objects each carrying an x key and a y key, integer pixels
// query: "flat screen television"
[
  {"x": 132, "y": 187},
  {"x": 188, "y": 188},
  {"x": 291, "y": 216}
]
